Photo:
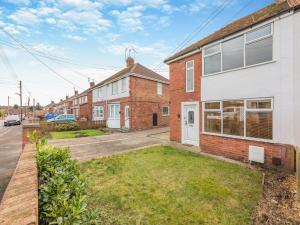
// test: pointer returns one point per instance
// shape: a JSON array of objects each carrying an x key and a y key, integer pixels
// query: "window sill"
[
  {"x": 240, "y": 138},
  {"x": 237, "y": 69},
  {"x": 166, "y": 115}
]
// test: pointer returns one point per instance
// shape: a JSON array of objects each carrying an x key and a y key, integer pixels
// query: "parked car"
[
  {"x": 63, "y": 118},
  {"x": 12, "y": 120},
  {"x": 50, "y": 115}
]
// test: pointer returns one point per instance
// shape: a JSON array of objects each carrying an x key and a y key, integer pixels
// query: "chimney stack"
[
  {"x": 92, "y": 84},
  {"x": 129, "y": 61},
  {"x": 52, "y": 102},
  {"x": 61, "y": 99},
  {"x": 67, "y": 97},
  {"x": 76, "y": 92}
]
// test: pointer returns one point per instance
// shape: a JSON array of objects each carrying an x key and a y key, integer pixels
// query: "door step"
[{"x": 124, "y": 130}]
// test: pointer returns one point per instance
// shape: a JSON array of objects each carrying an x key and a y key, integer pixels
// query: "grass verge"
[
  {"x": 163, "y": 185},
  {"x": 75, "y": 134}
]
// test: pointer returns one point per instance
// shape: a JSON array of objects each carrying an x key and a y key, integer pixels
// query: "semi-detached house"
[
  {"x": 133, "y": 98},
  {"x": 236, "y": 92}
]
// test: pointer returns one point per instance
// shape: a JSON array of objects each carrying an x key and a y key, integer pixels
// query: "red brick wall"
[
  {"x": 145, "y": 101},
  {"x": 178, "y": 93},
  {"x": 237, "y": 149},
  {"x": 86, "y": 110}
]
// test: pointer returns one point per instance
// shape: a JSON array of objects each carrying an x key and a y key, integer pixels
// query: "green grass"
[
  {"x": 75, "y": 134},
  {"x": 166, "y": 186}
]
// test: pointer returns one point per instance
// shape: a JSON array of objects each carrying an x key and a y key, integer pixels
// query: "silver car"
[{"x": 12, "y": 120}]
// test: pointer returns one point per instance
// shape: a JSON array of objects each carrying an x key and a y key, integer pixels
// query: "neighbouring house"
[
  {"x": 82, "y": 104},
  {"x": 133, "y": 98},
  {"x": 63, "y": 106},
  {"x": 235, "y": 93},
  {"x": 50, "y": 107}
]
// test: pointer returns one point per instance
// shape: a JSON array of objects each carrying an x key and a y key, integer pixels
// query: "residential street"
[
  {"x": 93, "y": 147},
  {"x": 10, "y": 148}
]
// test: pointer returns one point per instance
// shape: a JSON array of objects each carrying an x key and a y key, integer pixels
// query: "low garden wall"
[
  {"x": 47, "y": 127},
  {"x": 19, "y": 205}
]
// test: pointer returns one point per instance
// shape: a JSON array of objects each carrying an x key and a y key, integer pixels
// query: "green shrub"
[
  {"x": 67, "y": 126},
  {"x": 62, "y": 190}
]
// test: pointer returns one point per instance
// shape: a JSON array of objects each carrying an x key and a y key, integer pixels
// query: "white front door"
[
  {"x": 113, "y": 120},
  {"x": 190, "y": 123},
  {"x": 127, "y": 117}
]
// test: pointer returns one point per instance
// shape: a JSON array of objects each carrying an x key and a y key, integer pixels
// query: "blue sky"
[{"x": 87, "y": 38}]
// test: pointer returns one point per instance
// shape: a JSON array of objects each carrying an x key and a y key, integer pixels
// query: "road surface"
[{"x": 10, "y": 148}]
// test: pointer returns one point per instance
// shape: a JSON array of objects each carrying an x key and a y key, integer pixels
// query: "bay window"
[
  {"x": 233, "y": 117},
  {"x": 212, "y": 117},
  {"x": 251, "y": 118},
  {"x": 251, "y": 48},
  {"x": 259, "y": 119},
  {"x": 98, "y": 113}
]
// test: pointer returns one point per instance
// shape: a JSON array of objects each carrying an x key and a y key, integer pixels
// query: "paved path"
[
  {"x": 10, "y": 148},
  {"x": 93, "y": 147}
]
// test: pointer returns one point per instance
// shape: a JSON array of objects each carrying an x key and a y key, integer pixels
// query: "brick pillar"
[{"x": 29, "y": 127}]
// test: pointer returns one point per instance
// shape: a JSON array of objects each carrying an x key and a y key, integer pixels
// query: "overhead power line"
[
  {"x": 199, "y": 28},
  {"x": 38, "y": 59}
]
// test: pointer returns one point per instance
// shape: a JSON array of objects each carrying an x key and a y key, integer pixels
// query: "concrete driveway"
[
  {"x": 92, "y": 147},
  {"x": 10, "y": 149}
]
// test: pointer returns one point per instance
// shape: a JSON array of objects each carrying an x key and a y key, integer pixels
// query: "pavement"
[
  {"x": 10, "y": 149},
  {"x": 86, "y": 148}
]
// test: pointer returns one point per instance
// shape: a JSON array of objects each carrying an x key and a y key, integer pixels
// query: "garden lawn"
[
  {"x": 167, "y": 186},
  {"x": 75, "y": 134}
]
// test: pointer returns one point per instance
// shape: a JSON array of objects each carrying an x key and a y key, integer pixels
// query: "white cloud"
[
  {"x": 19, "y": 2},
  {"x": 26, "y": 16},
  {"x": 50, "y": 21},
  {"x": 158, "y": 49},
  {"x": 81, "y": 4},
  {"x": 75, "y": 37},
  {"x": 130, "y": 19}
]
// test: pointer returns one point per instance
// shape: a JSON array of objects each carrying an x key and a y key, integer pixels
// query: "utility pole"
[
  {"x": 7, "y": 105},
  {"x": 21, "y": 99},
  {"x": 33, "y": 108},
  {"x": 28, "y": 106}
]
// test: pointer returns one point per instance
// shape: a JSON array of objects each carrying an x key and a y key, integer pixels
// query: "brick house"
[
  {"x": 82, "y": 104},
  {"x": 133, "y": 98},
  {"x": 234, "y": 93}
]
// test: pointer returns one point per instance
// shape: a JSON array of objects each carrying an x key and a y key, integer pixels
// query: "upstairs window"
[
  {"x": 124, "y": 84},
  {"x": 251, "y": 48},
  {"x": 159, "y": 88},
  {"x": 233, "y": 53},
  {"x": 190, "y": 76},
  {"x": 114, "y": 88},
  {"x": 259, "y": 46},
  {"x": 212, "y": 59}
]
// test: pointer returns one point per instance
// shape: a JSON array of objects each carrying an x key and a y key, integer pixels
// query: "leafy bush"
[
  {"x": 62, "y": 190},
  {"x": 67, "y": 126}
]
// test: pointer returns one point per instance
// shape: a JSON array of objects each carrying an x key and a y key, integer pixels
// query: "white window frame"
[
  {"x": 244, "y": 33},
  {"x": 245, "y": 121},
  {"x": 159, "y": 88},
  {"x": 186, "y": 72},
  {"x": 168, "y": 110},
  {"x": 98, "y": 108},
  {"x": 110, "y": 116},
  {"x": 124, "y": 85},
  {"x": 112, "y": 88}
]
